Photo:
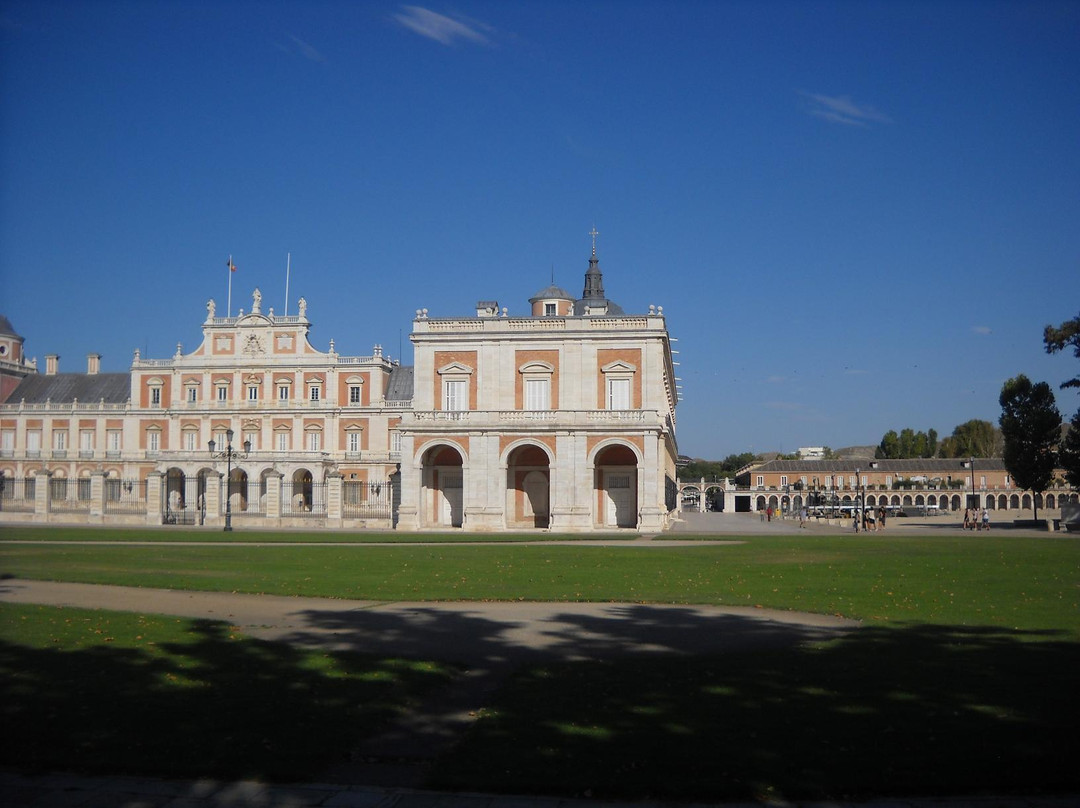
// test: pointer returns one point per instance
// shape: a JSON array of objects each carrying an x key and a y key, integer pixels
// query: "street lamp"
[
  {"x": 228, "y": 454},
  {"x": 972, "y": 502}
]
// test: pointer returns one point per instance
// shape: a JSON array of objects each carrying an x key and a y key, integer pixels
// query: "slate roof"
[
  {"x": 7, "y": 329},
  {"x": 64, "y": 388},
  {"x": 400, "y": 385},
  {"x": 551, "y": 293}
]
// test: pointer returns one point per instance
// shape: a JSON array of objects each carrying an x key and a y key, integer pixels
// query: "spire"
[{"x": 594, "y": 279}]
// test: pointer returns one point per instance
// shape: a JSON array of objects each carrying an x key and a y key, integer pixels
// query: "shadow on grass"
[
  {"x": 210, "y": 705},
  {"x": 924, "y": 709}
]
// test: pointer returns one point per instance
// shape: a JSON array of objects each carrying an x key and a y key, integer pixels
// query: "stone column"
[
  {"x": 154, "y": 498},
  {"x": 213, "y": 497},
  {"x": 97, "y": 496},
  {"x": 334, "y": 485},
  {"x": 409, "y": 508},
  {"x": 42, "y": 495},
  {"x": 652, "y": 513},
  {"x": 273, "y": 496}
]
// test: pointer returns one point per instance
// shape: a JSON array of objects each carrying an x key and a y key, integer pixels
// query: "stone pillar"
[
  {"x": 653, "y": 511},
  {"x": 571, "y": 484},
  {"x": 97, "y": 496},
  {"x": 213, "y": 498},
  {"x": 701, "y": 497},
  {"x": 334, "y": 486},
  {"x": 273, "y": 496},
  {"x": 409, "y": 508},
  {"x": 154, "y": 498},
  {"x": 42, "y": 495}
]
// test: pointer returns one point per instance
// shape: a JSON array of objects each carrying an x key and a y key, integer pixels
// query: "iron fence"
[
  {"x": 303, "y": 499},
  {"x": 18, "y": 494},
  {"x": 362, "y": 500},
  {"x": 125, "y": 496}
]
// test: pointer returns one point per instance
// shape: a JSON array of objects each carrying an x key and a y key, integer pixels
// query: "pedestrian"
[
  {"x": 881, "y": 518},
  {"x": 855, "y": 512},
  {"x": 985, "y": 519},
  {"x": 967, "y": 518},
  {"x": 803, "y": 516}
]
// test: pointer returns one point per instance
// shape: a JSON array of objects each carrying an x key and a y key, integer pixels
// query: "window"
[
  {"x": 33, "y": 441},
  {"x": 253, "y": 392},
  {"x": 354, "y": 394},
  {"x": 283, "y": 392},
  {"x": 153, "y": 440},
  {"x": 60, "y": 440},
  {"x": 314, "y": 391},
  {"x": 455, "y": 395},
  {"x": 618, "y": 394},
  {"x": 314, "y": 441},
  {"x": 86, "y": 442},
  {"x": 192, "y": 394},
  {"x": 549, "y": 310},
  {"x": 113, "y": 440},
  {"x": 783, "y": 480},
  {"x": 760, "y": 481},
  {"x": 223, "y": 393},
  {"x": 352, "y": 442},
  {"x": 7, "y": 441},
  {"x": 191, "y": 440},
  {"x": 155, "y": 396},
  {"x": 395, "y": 441},
  {"x": 252, "y": 439},
  {"x": 283, "y": 440},
  {"x": 538, "y": 394}
]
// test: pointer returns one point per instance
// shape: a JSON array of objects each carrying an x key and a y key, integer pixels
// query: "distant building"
[{"x": 812, "y": 452}]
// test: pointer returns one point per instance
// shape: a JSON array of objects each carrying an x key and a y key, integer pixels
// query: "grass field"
[{"x": 961, "y": 681}]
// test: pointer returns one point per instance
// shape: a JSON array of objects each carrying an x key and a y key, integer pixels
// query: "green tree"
[
  {"x": 1069, "y": 452},
  {"x": 889, "y": 448},
  {"x": 1058, "y": 338},
  {"x": 972, "y": 438},
  {"x": 1031, "y": 428},
  {"x": 908, "y": 443}
]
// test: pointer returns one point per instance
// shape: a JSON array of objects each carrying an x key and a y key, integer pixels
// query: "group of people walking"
[
  {"x": 973, "y": 520},
  {"x": 871, "y": 520}
]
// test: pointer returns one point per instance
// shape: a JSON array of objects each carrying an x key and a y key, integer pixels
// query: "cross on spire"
[{"x": 594, "y": 234}]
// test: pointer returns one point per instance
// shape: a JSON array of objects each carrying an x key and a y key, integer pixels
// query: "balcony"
[{"x": 561, "y": 419}]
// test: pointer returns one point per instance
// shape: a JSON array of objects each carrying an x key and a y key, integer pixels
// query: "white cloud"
[
  {"x": 442, "y": 29},
  {"x": 841, "y": 109},
  {"x": 982, "y": 330},
  {"x": 306, "y": 50}
]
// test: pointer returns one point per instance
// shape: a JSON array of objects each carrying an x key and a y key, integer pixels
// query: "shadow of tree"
[
  {"x": 213, "y": 705},
  {"x": 883, "y": 711}
]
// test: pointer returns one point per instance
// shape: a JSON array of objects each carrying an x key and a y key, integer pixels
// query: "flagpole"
[
  {"x": 228, "y": 311},
  {"x": 288, "y": 263}
]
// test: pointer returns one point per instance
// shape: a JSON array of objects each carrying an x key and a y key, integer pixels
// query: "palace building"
[{"x": 562, "y": 419}]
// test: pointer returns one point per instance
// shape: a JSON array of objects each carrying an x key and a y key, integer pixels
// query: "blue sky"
[{"x": 858, "y": 216}]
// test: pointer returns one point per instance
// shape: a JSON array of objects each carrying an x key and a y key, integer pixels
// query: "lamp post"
[
  {"x": 228, "y": 454},
  {"x": 971, "y": 500}
]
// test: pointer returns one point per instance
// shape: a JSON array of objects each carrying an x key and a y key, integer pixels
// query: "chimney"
[
  {"x": 93, "y": 364},
  {"x": 52, "y": 364}
]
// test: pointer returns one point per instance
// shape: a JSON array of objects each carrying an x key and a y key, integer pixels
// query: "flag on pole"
[{"x": 230, "y": 265}]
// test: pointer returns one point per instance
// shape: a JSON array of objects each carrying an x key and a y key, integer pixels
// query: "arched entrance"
[
  {"x": 303, "y": 488},
  {"x": 174, "y": 490},
  {"x": 443, "y": 487},
  {"x": 528, "y": 487},
  {"x": 238, "y": 490},
  {"x": 616, "y": 487}
]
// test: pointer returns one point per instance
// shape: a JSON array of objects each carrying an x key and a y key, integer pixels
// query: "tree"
[
  {"x": 908, "y": 443},
  {"x": 1069, "y": 453},
  {"x": 1031, "y": 427},
  {"x": 1056, "y": 339},
  {"x": 972, "y": 438}
]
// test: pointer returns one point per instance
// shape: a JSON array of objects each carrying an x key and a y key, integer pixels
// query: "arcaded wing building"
[{"x": 561, "y": 419}]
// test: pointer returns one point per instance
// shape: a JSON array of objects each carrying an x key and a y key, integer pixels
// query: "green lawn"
[
  {"x": 112, "y": 692},
  {"x": 962, "y": 679}
]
